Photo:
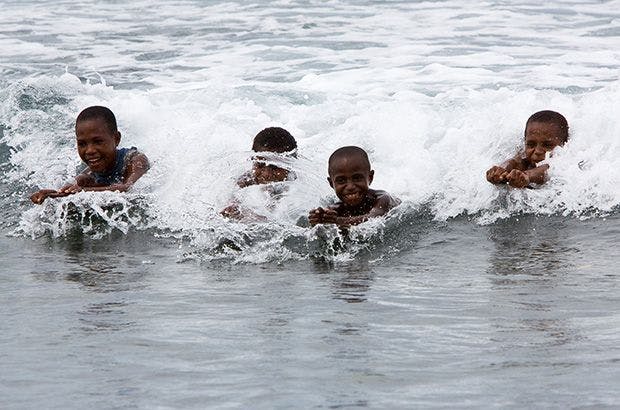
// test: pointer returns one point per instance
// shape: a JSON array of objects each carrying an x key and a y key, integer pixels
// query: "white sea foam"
[{"x": 435, "y": 92}]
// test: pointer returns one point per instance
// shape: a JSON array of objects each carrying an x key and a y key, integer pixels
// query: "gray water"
[
  {"x": 521, "y": 313},
  {"x": 467, "y": 296}
]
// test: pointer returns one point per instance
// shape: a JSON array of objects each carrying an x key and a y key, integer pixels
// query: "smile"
[
  {"x": 94, "y": 162},
  {"x": 352, "y": 197}
]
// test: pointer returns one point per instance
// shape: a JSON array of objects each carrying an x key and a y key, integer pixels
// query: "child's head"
[
  {"x": 350, "y": 174},
  {"x": 97, "y": 138},
  {"x": 544, "y": 131},
  {"x": 272, "y": 139}
]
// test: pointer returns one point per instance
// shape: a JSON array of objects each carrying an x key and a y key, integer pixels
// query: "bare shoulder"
[
  {"x": 139, "y": 159},
  {"x": 383, "y": 196},
  {"x": 383, "y": 199}
]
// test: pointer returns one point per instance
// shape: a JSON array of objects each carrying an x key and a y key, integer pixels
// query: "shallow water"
[
  {"x": 467, "y": 296},
  {"x": 515, "y": 314}
]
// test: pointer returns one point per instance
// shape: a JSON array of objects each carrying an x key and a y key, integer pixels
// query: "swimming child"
[
  {"x": 271, "y": 139},
  {"x": 275, "y": 140},
  {"x": 107, "y": 167},
  {"x": 544, "y": 131},
  {"x": 350, "y": 176}
]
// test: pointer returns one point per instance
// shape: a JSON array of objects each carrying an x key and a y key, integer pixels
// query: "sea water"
[{"x": 468, "y": 295}]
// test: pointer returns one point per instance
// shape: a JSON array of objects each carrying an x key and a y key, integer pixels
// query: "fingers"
[
  {"x": 496, "y": 175},
  {"x": 37, "y": 198},
  {"x": 70, "y": 189},
  {"x": 231, "y": 211},
  {"x": 518, "y": 179},
  {"x": 322, "y": 216}
]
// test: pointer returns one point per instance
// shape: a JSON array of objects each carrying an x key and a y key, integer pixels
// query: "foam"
[{"x": 436, "y": 97}]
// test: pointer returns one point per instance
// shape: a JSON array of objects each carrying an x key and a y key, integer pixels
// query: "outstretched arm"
[
  {"x": 83, "y": 179},
  {"x": 39, "y": 196},
  {"x": 137, "y": 167}
]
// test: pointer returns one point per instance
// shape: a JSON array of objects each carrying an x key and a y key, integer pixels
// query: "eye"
[
  {"x": 340, "y": 180},
  {"x": 358, "y": 178},
  {"x": 530, "y": 144},
  {"x": 549, "y": 144}
]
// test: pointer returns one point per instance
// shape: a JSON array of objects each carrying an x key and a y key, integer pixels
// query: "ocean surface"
[{"x": 467, "y": 295}]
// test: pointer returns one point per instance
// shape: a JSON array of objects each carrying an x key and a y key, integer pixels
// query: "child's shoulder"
[
  {"x": 133, "y": 154},
  {"x": 383, "y": 197}
]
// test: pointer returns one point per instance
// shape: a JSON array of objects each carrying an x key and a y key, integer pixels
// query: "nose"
[
  {"x": 349, "y": 186},
  {"x": 89, "y": 149}
]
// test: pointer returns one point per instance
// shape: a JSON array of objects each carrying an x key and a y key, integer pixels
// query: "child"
[
  {"x": 272, "y": 139},
  {"x": 107, "y": 168},
  {"x": 350, "y": 175},
  {"x": 544, "y": 131}
]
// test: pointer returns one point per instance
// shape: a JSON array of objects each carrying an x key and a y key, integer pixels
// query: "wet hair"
[
  {"x": 551, "y": 117},
  {"x": 349, "y": 151},
  {"x": 274, "y": 139},
  {"x": 97, "y": 112}
]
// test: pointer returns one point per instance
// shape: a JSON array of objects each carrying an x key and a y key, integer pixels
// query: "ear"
[
  {"x": 371, "y": 175},
  {"x": 117, "y": 138},
  {"x": 330, "y": 182}
]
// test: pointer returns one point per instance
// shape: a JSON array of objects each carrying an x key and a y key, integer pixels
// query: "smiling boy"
[
  {"x": 544, "y": 131},
  {"x": 350, "y": 176},
  {"x": 107, "y": 168}
]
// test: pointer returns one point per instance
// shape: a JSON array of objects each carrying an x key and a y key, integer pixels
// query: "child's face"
[
  {"x": 266, "y": 173},
  {"x": 96, "y": 144},
  {"x": 540, "y": 138},
  {"x": 350, "y": 177}
]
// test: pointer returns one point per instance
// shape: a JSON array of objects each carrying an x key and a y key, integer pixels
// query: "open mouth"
[
  {"x": 352, "y": 198},
  {"x": 95, "y": 163}
]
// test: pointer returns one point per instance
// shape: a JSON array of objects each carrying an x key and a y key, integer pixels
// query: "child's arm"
[
  {"x": 383, "y": 203},
  {"x": 521, "y": 179},
  {"x": 81, "y": 180},
  {"x": 246, "y": 180},
  {"x": 137, "y": 166},
  {"x": 497, "y": 174},
  {"x": 40, "y": 196}
]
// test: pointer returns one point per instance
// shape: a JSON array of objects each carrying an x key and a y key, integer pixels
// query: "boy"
[
  {"x": 350, "y": 175},
  {"x": 107, "y": 168},
  {"x": 544, "y": 131},
  {"x": 271, "y": 139}
]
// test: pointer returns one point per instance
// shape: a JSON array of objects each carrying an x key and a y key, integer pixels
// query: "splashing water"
[{"x": 434, "y": 110}]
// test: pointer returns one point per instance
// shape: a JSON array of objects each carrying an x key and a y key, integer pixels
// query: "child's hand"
[
  {"x": 518, "y": 179},
  {"x": 497, "y": 175},
  {"x": 231, "y": 211},
  {"x": 322, "y": 216},
  {"x": 315, "y": 216},
  {"x": 70, "y": 189},
  {"x": 329, "y": 216},
  {"x": 39, "y": 196}
]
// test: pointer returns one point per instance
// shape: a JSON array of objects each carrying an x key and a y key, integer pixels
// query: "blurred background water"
[{"x": 466, "y": 296}]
